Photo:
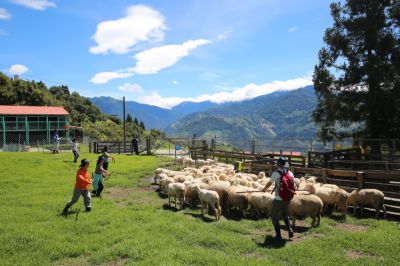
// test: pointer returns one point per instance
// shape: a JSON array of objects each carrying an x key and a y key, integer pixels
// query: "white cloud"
[
  {"x": 292, "y": 29},
  {"x": 17, "y": 69},
  {"x": 141, "y": 23},
  {"x": 104, "y": 77},
  {"x": 131, "y": 87},
  {"x": 208, "y": 76},
  {"x": 34, "y": 4},
  {"x": 155, "y": 59},
  {"x": 175, "y": 82},
  {"x": 4, "y": 14},
  {"x": 224, "y": 35},
  {"x": 245, "y": 93}
]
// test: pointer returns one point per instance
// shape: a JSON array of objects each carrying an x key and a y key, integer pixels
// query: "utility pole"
[{"x": 123, "y": 111}]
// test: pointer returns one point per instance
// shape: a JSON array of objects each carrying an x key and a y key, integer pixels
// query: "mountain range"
[
  {"x": 152, "y": 116},
  {"x": 279, "y": 115}
]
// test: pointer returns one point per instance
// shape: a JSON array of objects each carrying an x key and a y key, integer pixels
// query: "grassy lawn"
[{"x": 132, "y": 225}]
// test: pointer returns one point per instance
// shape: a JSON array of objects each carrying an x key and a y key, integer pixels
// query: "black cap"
[
  {"x": 281, "y": 161},
  {"x": 84, "y": 162}
]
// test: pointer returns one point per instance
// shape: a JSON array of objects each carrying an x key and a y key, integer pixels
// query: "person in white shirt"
[{"x": 280, "y": 207}]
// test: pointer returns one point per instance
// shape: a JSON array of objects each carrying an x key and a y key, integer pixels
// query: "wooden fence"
[
  {"x": 387, "y": 182},
  {"x": 320, "y": 159},
  {"x": 120, "y": 147},
  {"x": 248, "y": 159}
]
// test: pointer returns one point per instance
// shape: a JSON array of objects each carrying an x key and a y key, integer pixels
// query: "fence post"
[
  {"x": 119, "y": 147},
  {"x": 148, "y": 146},
  {"x": 360, "y": 179},
  {"x": 253, "y": 146},
  {"x": 205, "y": 149},
  {"x": 324, "y": 175}
]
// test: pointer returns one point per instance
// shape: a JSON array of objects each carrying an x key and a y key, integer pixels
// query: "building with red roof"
[{"x": 32, "y": 124}]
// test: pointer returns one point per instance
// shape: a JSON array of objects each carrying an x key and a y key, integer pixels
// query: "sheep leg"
[
  {"x": 354, "y": 209},
  {"x": 384, "y": 209},
  {"x": 293, "y": 221},
  {"x": 377, "y": 210},
  {"x": 313, "y": 221},
  {"x": 175, "y": 200},
  {"x": 201, "y": 203},
  {"x": 362, "y": 210},
  {"x": 325, "y": 208},
  {"x": 169, "y": 200}
]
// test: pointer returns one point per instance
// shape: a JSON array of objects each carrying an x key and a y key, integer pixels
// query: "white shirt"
[{"x": 276, "y": 177}]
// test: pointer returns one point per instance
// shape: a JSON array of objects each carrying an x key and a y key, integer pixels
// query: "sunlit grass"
[{"x": 132, "y": 225}]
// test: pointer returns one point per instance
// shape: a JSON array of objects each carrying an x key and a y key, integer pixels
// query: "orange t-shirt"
[{"x": 82, "y": 179}]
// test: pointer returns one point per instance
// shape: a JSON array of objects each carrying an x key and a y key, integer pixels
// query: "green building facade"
[{"x": 31, "y": 128}]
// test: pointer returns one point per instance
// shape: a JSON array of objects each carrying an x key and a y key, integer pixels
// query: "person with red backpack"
[{"x": 284, "y": 192}]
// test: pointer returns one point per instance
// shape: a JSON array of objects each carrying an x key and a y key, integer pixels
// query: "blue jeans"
[{"x": 76, "y": 155}]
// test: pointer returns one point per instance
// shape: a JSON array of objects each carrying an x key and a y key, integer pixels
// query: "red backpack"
[{"x": 286, "y": 189}]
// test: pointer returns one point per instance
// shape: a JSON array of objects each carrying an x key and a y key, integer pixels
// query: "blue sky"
[{"x": 164, "y": 52}]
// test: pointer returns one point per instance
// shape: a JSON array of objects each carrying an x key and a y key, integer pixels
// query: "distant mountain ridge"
[
  {"x": 282, "y": 114},
  {"x": 152, "y": 116}
]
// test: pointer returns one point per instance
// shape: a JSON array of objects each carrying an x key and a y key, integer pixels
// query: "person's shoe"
[
  {"x": 291, "y": 234},
  {"x": 277, "y": 232},
  {"x": 88, "y": 209},
  {"x": 65, "y": 210}
]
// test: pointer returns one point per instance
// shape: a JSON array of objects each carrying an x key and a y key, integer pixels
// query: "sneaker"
[{"x": 291, "y": 234}]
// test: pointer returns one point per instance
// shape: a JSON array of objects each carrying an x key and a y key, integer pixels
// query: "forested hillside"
[
  {"x": 82, "y": 111},
  {"x": 278, "y": 115}
]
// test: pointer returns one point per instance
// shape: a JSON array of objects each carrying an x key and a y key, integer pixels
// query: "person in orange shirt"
[{"x": 82, "y": 184}]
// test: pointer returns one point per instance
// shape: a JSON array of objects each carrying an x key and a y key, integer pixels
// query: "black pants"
[{"x": 100, "y": 189}]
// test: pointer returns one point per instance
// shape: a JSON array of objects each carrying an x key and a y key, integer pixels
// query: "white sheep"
[
  {"x": 221, "y": 187},
  {"x": 331, "y": 196},
  {"x": 306, "y": 205},
  {"x": 188, "y": 162},
  {"x": 372, "y": 197},
  {"x": 201, "y": 162},
  {"x": 177, "y": 190},
  {"x": 261, "y": 202},
  {"x": 238, "y": 200},
  {"x": 165, "y": 182},
  {"x": 179, "y": 160},
  {"x": 210, "y": 198},
  {"x": 261, "y": 175},
  {"x": 190, "y": 192}
]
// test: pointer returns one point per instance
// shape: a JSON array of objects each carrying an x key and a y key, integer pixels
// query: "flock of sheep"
[{"x": 218, "y": 186}]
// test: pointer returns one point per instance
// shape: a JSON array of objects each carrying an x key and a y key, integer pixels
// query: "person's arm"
[
  {"x": 104, "y": 171},
  {"x": 267, "y": 186},
  {"x": 82, "y": 178}
]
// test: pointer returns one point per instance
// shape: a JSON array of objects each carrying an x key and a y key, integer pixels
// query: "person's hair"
[
  {"x": 105, "y": 148},
  {"x": 74, "y": 139},
  {"x": 100, "y": 159}
]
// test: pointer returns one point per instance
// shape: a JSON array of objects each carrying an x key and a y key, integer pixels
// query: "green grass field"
[{"x": 132, "y": 225}]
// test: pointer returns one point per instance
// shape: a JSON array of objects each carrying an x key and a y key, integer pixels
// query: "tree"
[
  {"x": 142, "y": 125},
  {"x": 136, "y": 121},
  {"x": 129, "y": 118},
  {"x": 357, "y": 79}
]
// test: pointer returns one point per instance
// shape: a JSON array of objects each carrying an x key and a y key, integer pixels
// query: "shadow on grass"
[
  {"x": 234, "y": 215},
  {"x": 201, "y": 216},
  {"x": 72, "y": 213},
  {"x": 297, "y": 229},
  {"x": 170, "y": 208},
  {"x": 272, "y": 242}
]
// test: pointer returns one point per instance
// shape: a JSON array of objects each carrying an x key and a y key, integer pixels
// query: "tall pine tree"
[{"x": 357, "y": 79}]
